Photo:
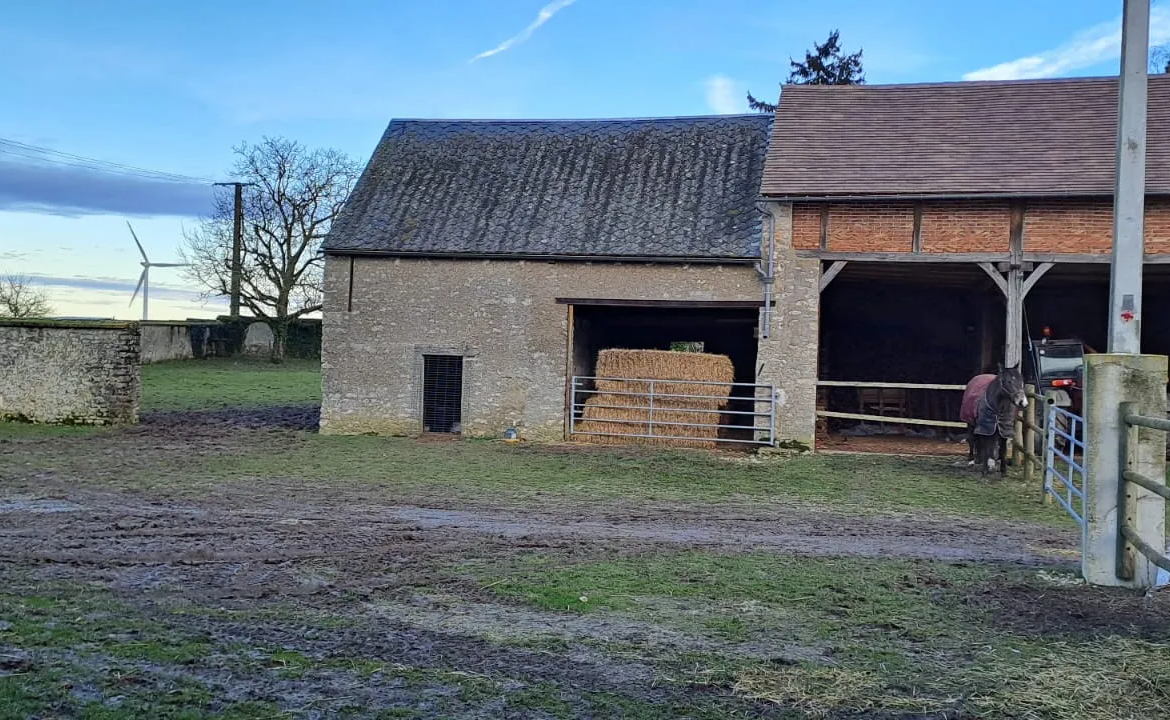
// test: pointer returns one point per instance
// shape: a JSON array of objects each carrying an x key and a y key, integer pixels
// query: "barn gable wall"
[{"x": 501, "y": 315}]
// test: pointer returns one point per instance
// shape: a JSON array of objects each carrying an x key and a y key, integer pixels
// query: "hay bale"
[
  {"x": 621, "y": 422},
  {"x": 667, "y": 365},
  {"x": 621, "y": 416}
]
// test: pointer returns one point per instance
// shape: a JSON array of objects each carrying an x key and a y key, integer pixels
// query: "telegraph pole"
[
  {"x": 1125, "y": 281},
  {"x": 237, "y": 246}
]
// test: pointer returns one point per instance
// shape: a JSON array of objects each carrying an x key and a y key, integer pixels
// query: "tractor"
[{"x": 1057, "y": 369}]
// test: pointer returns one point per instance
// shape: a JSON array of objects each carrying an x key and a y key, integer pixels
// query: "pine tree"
[{"x": 824, "y": 66}]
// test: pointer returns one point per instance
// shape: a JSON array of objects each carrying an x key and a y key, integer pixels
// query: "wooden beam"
[
  {"x": 995, "y": 277},
  {"x": 888, "y": 419},
  {"x": 903, "y": 256},
  {"x": 929, "y": 257},
  {"x": 828, "y": 275},
  {"x": 1036, "y": 275},
  {"x": 916, "y": 238},
  {"x": 1016, "y": 234},
  {"x": 681, "y": 304},
  {"x": 824, "y": 227},
  {"x": 889, "y": 385}
]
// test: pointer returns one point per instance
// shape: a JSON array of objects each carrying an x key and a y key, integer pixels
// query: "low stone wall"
[
  {"x": 162, "y": 342},
  {"x": 84, "y": 373}
]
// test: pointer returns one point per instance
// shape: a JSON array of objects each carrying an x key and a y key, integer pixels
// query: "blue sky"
[{"x": 171, "y": 87}]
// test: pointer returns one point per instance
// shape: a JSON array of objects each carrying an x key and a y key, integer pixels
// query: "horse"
[{"x": 990, "y": 403}]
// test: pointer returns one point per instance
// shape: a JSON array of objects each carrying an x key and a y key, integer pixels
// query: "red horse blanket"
[{"x": 969, "y": 410}]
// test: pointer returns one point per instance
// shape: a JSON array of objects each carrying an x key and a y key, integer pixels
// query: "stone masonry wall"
[
  {"x": 958, "y": 226},
  {"x": 788, "y": 358},
  {"x": 163, "y": 342},
  {"x": 78, "y": 373},
  {"x": 502, "y": 316}
]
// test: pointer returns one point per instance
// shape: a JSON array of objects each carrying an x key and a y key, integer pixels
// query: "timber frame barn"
[{"x": 901, "y": 233}]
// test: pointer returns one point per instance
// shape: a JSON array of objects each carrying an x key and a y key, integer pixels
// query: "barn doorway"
[
  {"x": 721, "y": 328},
  {"x": 442, "y": 396},
  {"x": 912, "y": 323}
]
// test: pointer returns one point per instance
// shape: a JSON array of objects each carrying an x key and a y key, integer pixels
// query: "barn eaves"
[
  {"x": 672, "y": 189},
  {"x": 958, "y": 140}
]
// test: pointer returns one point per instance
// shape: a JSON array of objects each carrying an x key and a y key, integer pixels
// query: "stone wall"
[
  {"x": 62, "y": 372},
  {"x": 501, "y": 316},
  {"x": 162, "y": 342},
  {"x": 788, "y": 357}
]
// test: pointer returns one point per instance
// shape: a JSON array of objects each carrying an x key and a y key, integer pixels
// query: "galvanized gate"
[
  {"x": 645, "y": 408},
  {"x": 1064, "y": 462}
]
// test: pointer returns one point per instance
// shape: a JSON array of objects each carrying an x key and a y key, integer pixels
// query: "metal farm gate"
[
  {"x": 1064, "y": 462},
  {"x": 645, "y": 408}
]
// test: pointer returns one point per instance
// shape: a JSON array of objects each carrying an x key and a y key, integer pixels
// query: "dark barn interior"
[
  {"x": 1073, "y": 301},
  {"x": 906, "y": 323},
  {"x": 943, "y": 323},
  {"x": 724, "y": 329}
]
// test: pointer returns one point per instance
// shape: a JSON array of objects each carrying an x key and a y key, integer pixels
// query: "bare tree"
[
  {"x": 293, "y": 195},
  {"x": 19, "y": 298},
  {"x": 1159, "y": 59}
]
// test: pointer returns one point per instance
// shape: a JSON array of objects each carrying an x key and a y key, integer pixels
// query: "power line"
[{"x": 43, "y": 154}]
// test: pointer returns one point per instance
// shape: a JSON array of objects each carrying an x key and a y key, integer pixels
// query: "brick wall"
[
  {"x": 1068, "y": 226},
  {"x": 78, "y": 373},
  {"x": 1158, "y": 225},
  {"x": 965, "y": 227},
  {"x": 806, "y": 227},
  {"x": 871, "y": 227},
  {"x": 1050, "y": 226}
]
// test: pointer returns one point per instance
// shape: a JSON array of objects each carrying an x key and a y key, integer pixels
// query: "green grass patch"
[
  {"x": 478, "y": 469},
  {"x": 229, "y": 382},
  {"x": 878, "y": 636}
]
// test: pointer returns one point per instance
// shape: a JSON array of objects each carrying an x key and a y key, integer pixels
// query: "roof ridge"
[
  {"x": 964, "y": 83},
  {"x": 516, "y": 121}
]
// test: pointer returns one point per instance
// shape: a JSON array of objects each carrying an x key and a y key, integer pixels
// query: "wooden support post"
[
  {"x": 824, "y": 227},
  {"x": 995, "y": 277},
  {"x": 1014, "y": 340},
  {"x": 828, "y": 275},
  {"x": 916, "y": 238}
]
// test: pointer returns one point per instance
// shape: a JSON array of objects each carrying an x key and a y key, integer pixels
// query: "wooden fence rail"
[{"x": 865, "y": 384}]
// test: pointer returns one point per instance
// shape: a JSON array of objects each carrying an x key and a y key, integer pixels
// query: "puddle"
[{"x": 38, "y": 506}]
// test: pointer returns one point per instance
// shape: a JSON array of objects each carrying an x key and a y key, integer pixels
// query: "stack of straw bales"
[{"x": 675, "y": 369}]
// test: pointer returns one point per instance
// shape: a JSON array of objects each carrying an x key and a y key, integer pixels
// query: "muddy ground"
[{"x": 262, "y": 563}]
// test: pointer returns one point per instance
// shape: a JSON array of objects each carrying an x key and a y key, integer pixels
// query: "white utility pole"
[{"x": 1125, "y": 281}]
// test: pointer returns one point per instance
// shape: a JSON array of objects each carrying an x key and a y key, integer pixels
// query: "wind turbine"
[{"x": 144, "y": 278}]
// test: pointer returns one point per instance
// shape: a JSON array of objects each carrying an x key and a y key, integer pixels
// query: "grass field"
[
  {"x": 219, "y": 383},
  {"x": 189, "y": 568}
]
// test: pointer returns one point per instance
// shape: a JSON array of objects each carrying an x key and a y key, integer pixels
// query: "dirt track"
[{"x": 321, "y": 545}]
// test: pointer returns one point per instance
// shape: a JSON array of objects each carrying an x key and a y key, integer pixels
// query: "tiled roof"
[
  {"x": 1023, "y": 138},
  {"x": 669, "y": 188}
]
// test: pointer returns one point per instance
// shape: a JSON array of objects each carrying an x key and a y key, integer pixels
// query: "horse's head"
[{"x": 1011, "y": 382}]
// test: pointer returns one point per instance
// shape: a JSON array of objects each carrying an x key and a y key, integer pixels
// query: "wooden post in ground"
[{"x": 1030, "y": 435}]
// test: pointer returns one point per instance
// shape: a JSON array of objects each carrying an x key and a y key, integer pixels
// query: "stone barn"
[
  {"x": 947, "y": 220},
  {"x": 910, "y": 234},
  {"x": 480, "y": 265}
]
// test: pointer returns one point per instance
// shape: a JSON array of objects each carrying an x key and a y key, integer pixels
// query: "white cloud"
[
  {"x": 724, "y": 95},
  {"x": 1087, "y": 48},
  {"x": 546, "y": 13}
]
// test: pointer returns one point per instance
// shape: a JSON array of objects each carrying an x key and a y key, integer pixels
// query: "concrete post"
[
  {"x": 1110, "y": 380},
  {"x": 1125, "y": 283}
]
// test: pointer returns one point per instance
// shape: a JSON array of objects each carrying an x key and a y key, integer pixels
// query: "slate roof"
[
  {"x": 1014, "y": 138},
  {"x": 667, "y": 188}
]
